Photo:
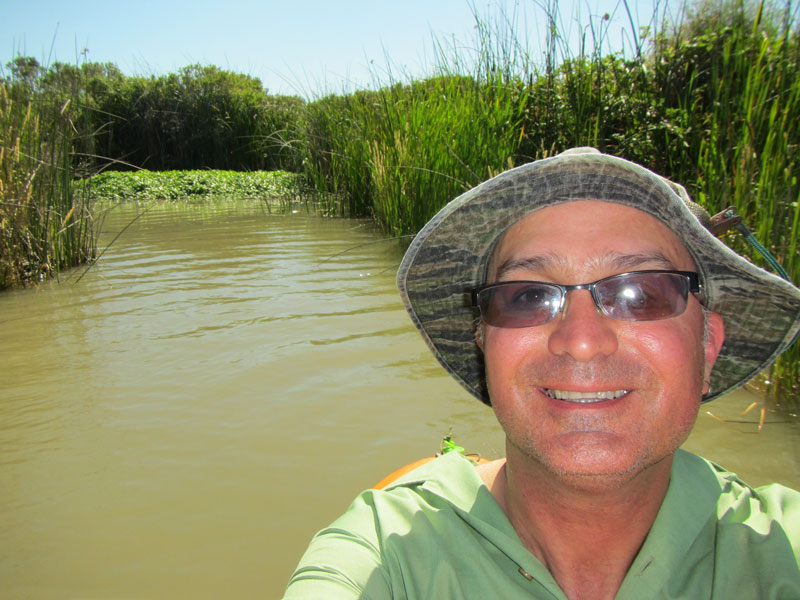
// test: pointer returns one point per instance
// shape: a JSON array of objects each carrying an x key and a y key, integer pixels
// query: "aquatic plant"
[
  {"x": 44, "y": 228},
  {"x": 191, "y": 185}
]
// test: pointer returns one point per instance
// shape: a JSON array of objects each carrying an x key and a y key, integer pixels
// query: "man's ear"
[
  {"x": 715, "y": 335},
  {"x": 479, "y": 335}
]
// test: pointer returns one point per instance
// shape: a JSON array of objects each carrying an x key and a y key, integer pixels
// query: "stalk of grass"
[
  {"x": 43, "y": 228},
  {"x": 401, "y": 152}
]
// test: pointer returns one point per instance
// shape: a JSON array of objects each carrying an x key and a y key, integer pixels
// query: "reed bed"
[
  {"x": 43, "y": 227},
  {"x": 199, "y": 117},
  {"x": 711, "y": 99},
  {"x": 403, "y": 152}
]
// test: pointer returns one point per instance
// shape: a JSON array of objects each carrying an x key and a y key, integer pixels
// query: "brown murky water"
[{"x": 184, "y": 418}]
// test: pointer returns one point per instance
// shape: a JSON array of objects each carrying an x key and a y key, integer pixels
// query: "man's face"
[{"x": 654, "y": 370}]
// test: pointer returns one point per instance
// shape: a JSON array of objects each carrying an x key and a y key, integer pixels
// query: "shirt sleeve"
[{"x": 344, "y": 561}]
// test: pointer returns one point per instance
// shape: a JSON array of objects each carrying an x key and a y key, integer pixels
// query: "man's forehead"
[
  {"x": 600, "y": 235},
  {"x": 610, "y": 260}
]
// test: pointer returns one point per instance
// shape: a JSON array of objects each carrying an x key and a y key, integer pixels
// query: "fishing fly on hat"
[{"x": 449, "y": 257}]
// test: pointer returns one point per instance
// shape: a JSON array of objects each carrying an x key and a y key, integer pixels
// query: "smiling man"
[{"x": 601, "y": 313}]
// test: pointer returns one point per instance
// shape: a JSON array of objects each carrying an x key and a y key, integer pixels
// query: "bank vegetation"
[{"x": 710, "y": 98}]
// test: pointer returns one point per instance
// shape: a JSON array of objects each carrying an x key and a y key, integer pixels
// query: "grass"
[
  {"x": 44, "y": 227},
  {"x": 401, "y": 153}
]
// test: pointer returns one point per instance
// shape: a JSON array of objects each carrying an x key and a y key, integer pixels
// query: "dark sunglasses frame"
[{"x": 691, "y": 276}]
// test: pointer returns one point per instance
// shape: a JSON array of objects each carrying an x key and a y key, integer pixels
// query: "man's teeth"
[{"x": 585, "y": 397}]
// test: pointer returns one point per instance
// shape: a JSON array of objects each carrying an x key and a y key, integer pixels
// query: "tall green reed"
[
  {"x": 200, "y": 117},
  {"x": 740, "y": 93},
  {"x": 401, "y": 152},
  {"x": 709, "y": 99},
  {"x": 43, "y": 227}
]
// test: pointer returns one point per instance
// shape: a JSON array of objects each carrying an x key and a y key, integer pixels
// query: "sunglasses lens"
[
  {"x": 636, "y": 296},
  {"x": 519, "y": 304},
  {"x": 643, "y": 296}
]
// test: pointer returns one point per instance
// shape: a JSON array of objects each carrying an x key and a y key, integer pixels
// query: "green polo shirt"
[{"x": 439, "y": 533}]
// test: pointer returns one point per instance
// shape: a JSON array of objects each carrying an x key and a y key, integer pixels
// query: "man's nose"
[{"x": 581, "y": 330}]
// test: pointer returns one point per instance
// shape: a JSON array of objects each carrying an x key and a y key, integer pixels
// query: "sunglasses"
[{"x": 634, "y": 296}]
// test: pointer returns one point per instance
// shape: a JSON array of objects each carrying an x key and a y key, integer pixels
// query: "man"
[{"x": 607, "y": 314}]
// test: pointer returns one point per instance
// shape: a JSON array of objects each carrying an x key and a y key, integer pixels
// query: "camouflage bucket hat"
[{"x": 449, "y": 257}]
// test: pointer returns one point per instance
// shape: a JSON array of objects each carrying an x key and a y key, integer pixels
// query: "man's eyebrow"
[
  {"x": 610, "y": 260},
  {"x": 632, "y": 261},
  {"x": 540, "y": 262}
]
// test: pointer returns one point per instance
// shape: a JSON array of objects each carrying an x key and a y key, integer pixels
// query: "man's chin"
[{"x": 595, "y": 467}]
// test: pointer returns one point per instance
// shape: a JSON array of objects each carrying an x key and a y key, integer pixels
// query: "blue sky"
[{"x": 304, "y": 47}]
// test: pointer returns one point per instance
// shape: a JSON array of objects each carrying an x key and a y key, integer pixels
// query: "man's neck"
[{"x": 586, "y": 531}]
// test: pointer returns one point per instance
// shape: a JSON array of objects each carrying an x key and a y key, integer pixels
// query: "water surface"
[{"x": 218, "y": 387}]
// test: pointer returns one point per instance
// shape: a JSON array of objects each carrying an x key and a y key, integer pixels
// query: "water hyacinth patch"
[{"x": 188, "y": 185}]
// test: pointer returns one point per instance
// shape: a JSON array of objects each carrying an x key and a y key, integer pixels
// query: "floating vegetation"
[{"x": 191, "y": 185}]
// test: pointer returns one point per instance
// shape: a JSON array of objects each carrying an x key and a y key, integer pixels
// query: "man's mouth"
[{"x": 584, "y": 397}]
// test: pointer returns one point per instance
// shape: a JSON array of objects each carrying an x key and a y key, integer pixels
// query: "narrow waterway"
[{"x": 180, "y": 421}]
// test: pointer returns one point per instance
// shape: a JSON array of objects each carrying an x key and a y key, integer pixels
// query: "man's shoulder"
[
  {"x": 760, "y": 525},
  {"x": 714, "y": 531},
  {"x": 435, "y": 532},
  {"x": 766, "y": 510},
  {"x": 448, "y": 482},
  {"x": 736, "y": 500}
]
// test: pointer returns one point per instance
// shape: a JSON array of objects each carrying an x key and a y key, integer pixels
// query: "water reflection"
[{"x": 216, "y": 389}]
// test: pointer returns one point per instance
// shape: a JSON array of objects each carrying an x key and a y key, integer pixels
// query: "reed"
[
  {"x": 711, "y": 99},
  {"x": 199, "y": 117},
  {"x": 740, "y": 100},
  {"x": 43, "y": 227},
  {"x": 401, "y": 152}
]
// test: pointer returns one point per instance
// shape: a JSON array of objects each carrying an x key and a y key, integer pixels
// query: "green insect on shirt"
[{"x": 439, "y": 533}]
